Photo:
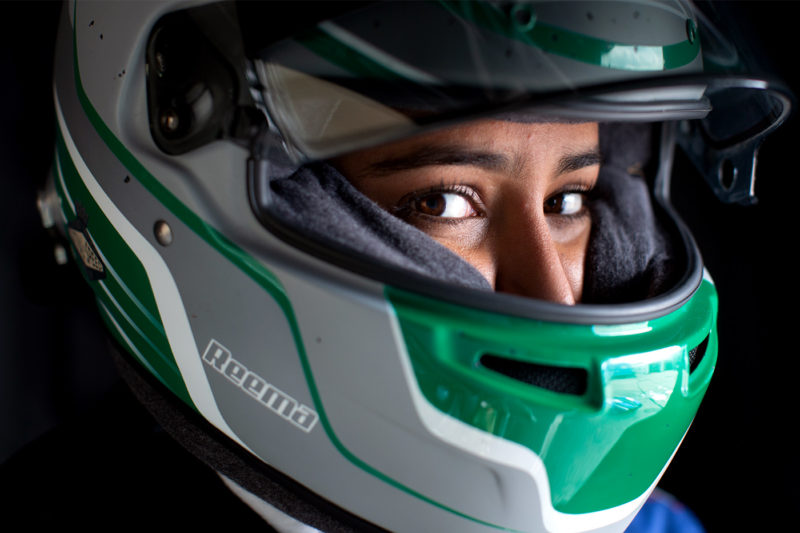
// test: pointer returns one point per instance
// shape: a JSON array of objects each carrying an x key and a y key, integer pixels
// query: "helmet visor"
[{"x": 388, "y": 70}]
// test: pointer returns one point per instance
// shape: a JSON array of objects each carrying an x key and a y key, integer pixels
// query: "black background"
[{"x": 738, "y": 466}]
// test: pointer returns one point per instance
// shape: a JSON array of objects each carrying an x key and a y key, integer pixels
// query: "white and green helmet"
[{"x": 354, "y": 387}]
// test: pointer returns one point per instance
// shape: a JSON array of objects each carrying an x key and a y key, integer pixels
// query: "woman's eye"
[
  {"x": 445, "y": 205},
  {"x": 565, "y": 203}
]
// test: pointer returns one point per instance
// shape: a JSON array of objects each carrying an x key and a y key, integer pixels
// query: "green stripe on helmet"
[
  {"x": 574, "y": 45},
  {"x": 125, "y": 293},
  {"x": 602, "y": 447}
]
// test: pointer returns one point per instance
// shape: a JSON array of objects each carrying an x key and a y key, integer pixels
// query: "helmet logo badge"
[{"x": 79, "y": 235}]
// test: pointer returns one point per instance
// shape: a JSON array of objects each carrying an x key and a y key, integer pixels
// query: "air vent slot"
[
  {"x": 696, "y": 354},
  {"x": 565, "y": 380}
]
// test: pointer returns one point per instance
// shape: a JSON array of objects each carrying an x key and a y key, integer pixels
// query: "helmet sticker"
[
  {"x": 84, "y": 246},
  {"x": 219, "y": 358}
]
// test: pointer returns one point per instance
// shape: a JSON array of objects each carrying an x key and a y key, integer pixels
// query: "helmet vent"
[
  {"x": 565, "y": 380},
  {"x": 696, "y": 354}
]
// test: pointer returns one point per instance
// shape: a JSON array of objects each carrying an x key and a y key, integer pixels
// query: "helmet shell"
[{"x": 379, "y": 399}]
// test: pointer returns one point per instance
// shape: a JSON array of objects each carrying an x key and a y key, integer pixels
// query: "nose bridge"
[{"x": 528, "y": 261}]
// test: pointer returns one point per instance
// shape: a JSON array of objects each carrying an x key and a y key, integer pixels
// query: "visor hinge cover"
[{"x": 730, "y": 171}]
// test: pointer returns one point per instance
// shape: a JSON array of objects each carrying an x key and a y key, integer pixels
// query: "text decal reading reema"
[{"x": 219, "y": 358}]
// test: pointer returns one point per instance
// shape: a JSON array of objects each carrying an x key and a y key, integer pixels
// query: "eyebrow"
[
  {"x": 456, "y": 155},
  {"x": 427, "y": 156},
  {"x": 577, "y": 161}
]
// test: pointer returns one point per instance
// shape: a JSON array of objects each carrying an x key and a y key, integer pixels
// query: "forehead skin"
[
  {"x": 514, "y": 168},
  {"x": 502, "y": 145}
]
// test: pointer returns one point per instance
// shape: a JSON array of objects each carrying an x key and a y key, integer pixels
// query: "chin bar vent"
[
  {"x": 696, "y": 354},
  {"x": 565, "y": 380}
]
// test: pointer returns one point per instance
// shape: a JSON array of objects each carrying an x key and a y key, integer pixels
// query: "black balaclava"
[{"x": 630, "y": 255}]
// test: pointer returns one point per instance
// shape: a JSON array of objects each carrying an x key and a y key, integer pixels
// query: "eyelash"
[
  {"x": 405, "y": 209},
  {"x": 585, "y": 190}
]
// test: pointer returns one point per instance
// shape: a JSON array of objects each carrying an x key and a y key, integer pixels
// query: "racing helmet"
[{"x": 338, "y": 367}]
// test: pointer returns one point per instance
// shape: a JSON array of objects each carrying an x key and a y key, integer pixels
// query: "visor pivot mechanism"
[{"x": 729, "y": 171}]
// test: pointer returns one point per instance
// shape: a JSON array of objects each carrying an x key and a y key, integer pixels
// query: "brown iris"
[{"x": 432, "y": 204}]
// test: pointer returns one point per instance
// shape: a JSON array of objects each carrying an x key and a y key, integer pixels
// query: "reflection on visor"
[
  {"x": 358, "y": 80},
  {"x": 742, "y": 113},
  {"x": 321, "y": 119}
]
